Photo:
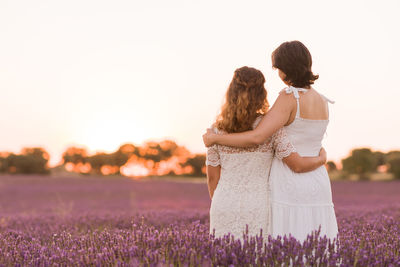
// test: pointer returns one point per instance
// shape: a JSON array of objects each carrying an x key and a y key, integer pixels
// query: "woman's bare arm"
[
  {"x": 305, "y": 164},
  {"x": 276, "y": 118},
  {"x": 213, "y": 175}
]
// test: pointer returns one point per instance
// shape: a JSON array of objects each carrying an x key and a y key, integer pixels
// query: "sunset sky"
[{"x": 101, "y": 73}]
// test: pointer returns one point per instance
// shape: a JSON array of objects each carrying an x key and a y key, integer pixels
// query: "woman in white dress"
[
  {"x": 301, "y": 202},
  {"x": 238, "y": 177}
]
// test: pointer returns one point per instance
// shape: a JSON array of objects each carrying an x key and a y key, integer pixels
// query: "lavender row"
[{"x": 166, "y": 238}]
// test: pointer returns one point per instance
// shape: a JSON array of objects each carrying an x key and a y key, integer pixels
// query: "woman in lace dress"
[
  {"x": 242, "y": 197},
  {"x": 301, "y": 202}
]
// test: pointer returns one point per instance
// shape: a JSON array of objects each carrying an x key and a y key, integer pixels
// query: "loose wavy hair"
[
  {"x": 246, "y": 99},
  {"x": 294, "y": 59}
]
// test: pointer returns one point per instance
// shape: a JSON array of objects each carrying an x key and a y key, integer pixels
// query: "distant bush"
[
  {"x": 30, "y": 161},
  {"x": 361, "y": 161},
  {"x": 197, "y": 162},
  {"x": 393, "y": 160},
  {"x": 3, "y": 164}
]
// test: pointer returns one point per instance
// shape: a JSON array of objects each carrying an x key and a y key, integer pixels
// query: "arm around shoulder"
[{"x": 275, "y": 118}]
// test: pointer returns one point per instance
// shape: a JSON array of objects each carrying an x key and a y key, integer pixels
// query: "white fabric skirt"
[{"x": 301, "y": 202}]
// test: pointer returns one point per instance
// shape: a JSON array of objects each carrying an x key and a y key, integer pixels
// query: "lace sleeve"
[
  {"x": 212, "y": 158},
  {"x": 282, "y": 145}
]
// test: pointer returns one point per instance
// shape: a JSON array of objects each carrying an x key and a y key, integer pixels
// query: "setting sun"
[{"x": 108, "y": 134}]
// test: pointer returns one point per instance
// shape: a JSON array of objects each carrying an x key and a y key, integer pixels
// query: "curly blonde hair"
[{"x": 245, "y": 100}]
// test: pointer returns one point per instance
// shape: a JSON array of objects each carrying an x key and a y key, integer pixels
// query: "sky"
[{"x": 99, "y": 74}]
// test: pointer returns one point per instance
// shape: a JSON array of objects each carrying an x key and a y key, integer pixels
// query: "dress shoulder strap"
[{"x": 296, "y": 95}]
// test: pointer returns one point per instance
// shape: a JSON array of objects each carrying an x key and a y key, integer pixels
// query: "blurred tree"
[
  {"x": 3, "y": 162},
  {"x": 159, "y": 155},
  {"x": 151, "y": 151},
  {"x": 197, "y": 162},
  {"x": 168, "y": 149},
  {"x": 393, "y": 160},
  {"x": 361, "y": 161},
  {"x": 331, "y": 166},
  {"x": 159, "y": 151},
  {"x": 129, "y": 149},
  {"x": 75, "y": 155},
  {"x": 391, "y": 155},
  {"x": 99, "y": 160},
  {"x": 31, "y": 160},
  {"x": 380, "y": 158},
  {"x": 122, "y": 155}
]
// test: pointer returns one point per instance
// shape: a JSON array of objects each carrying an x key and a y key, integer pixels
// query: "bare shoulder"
[{"x": 314, "y": 94}]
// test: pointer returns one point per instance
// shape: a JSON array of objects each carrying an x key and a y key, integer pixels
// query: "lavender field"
[{"x": 115, "y": 221}]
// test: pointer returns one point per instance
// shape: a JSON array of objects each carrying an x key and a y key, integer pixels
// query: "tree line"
[
  {"x": 152, "y": 158},
  {"x": 168, "y": 158},
  {"x": 364, "y": 161}
]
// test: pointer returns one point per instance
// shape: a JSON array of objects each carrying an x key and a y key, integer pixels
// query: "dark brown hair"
[
  {"x": 294, "y": 59},
  {"x": 245, "y": 100}
]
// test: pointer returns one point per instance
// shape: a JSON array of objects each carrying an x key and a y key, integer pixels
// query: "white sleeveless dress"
[
  {"x": 302, "y": 202},
  {"x": 242, "y": 196}
]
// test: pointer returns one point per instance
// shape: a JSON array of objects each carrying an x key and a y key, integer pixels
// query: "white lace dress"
[
  {"x": 302, "y": 202},
  {"x": 242, "y": 195}
]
